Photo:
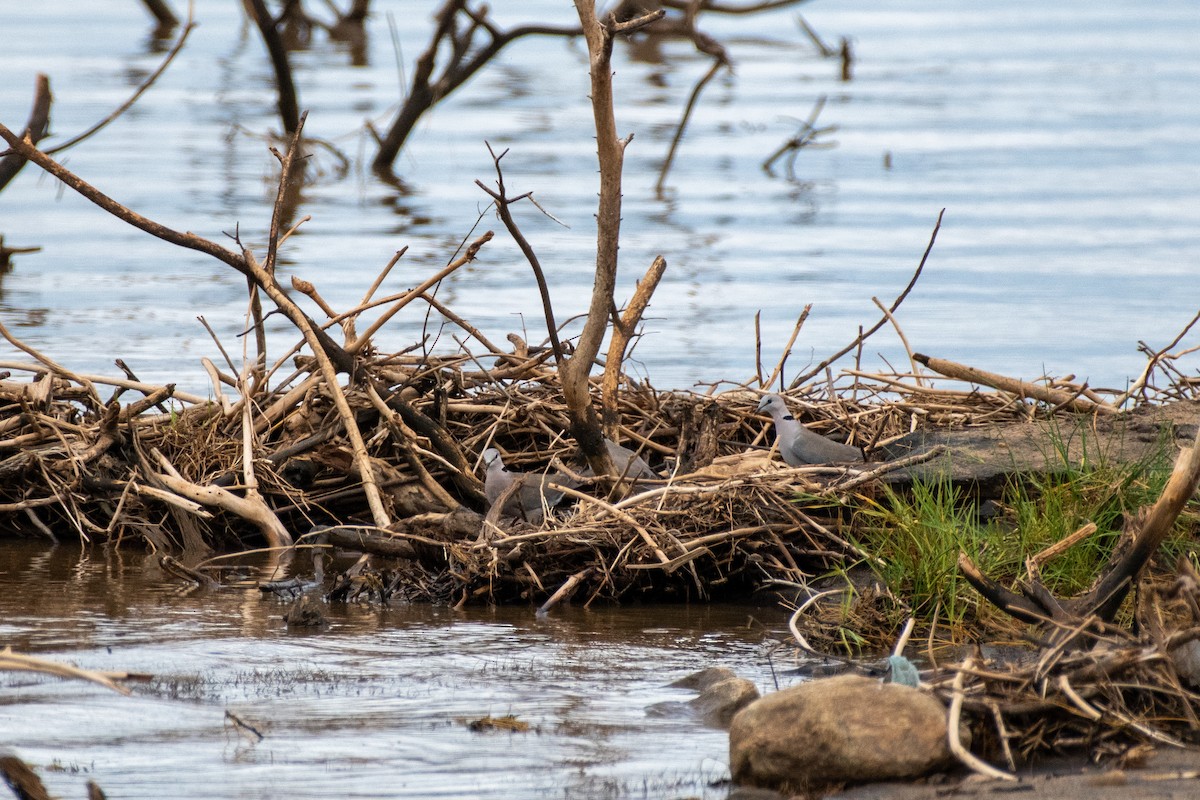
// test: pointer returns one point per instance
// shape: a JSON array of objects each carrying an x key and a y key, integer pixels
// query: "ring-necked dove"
[
  {"x": 535, "y": 496},
  {"x": 797, "y": 444},
  {"x": 626, "y": 462}
]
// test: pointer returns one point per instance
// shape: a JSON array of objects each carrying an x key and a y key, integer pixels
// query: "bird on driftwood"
[
  {"x": 534, "y": 496},
  {"x": 797, "y": 444}
]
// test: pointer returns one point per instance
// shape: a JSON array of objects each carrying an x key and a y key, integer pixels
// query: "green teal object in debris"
[{"x": 903, "y": 671}]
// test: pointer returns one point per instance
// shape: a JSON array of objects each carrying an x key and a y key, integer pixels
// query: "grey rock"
[
  {"x": 721, "y": 695},
  {"x": 847, "y": 729},
  {"x": 718, "y": 703}
]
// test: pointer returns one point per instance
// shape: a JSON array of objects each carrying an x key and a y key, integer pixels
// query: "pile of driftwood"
[
  {"x": 188, "y": 474},
  {"x": 1093, "y": 687}
]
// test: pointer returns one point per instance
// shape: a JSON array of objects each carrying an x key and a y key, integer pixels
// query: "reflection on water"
[
  {"x": 374, "y": 705},
  {"x": 1060, "y": 139}
]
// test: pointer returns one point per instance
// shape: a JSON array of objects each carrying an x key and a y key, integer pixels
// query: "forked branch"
[{"x": 585, "y": 425}]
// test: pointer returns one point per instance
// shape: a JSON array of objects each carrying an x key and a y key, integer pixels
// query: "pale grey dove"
[
  {"x": 535, "y": 496},
  {"x": 797, "y": 444},
  {"x": 626, "y": 462}
]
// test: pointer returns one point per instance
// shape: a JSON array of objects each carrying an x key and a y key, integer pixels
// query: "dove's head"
[
  {"x": 771, "y": 403},
  {"x": 492, "y": 456}
]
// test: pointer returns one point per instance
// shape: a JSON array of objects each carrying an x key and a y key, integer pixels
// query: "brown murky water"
[{"x": 374, "y": 705}]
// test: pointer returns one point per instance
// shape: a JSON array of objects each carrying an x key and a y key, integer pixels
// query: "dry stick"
[
  {"x": 1185, "y": 476},
  {"x": 220, "y": 347},
  {"x": 758, "y": 371},
  {"x": 787, "y": 349},
  {"x": 798, "y": 380},
  {"x": 171, "y": 499},
  {"x": 379, "y": 279},
  {"x": 18, "y": 662},
  {"x": 250, "y": 482},
  {"x": 320, "y": 340},
  {"x": 308, "y": 290},
  {"x": 405, "y": 442},
  {"x": 460, "y": 322},
  {"x": 565, "y": 590},
  {"x": 954, "y": 740},
  {"x": 502, "y": 201},
  {"x": 865, "y": 476},
  {"x": 799, "y": 637},
  {"x": 619, "y": 514},
  {"x": 51, "y": 364},
  {"x": 902, "y": 640},
  {"x": 122, "y": 383},
  {"x": 1140, "y": 383},
  {"x": 251, "y": 508},
  {"x": 623, "y": 331},
  {"x": 329, "y": 372},
  {"x": 287, "y": 163},
  {"x": 1035, "y": 562},
  {"x": 35, "y": 129},
  {"x": 404, "y": 299},
  {"x": 903, "y": 340},
  {"x": 1015, "y": 386}
]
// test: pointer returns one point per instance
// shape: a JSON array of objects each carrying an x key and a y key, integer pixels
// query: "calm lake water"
[
  {"x": 375, "y": 705},
  {"x": 1061, "y": 140}
]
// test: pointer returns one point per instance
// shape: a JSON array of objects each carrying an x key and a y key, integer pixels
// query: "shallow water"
[
  {"x": 1060, "y": 139},
  {"x": 374, "y": 705}
]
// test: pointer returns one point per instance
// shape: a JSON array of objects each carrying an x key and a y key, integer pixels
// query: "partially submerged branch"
[
  {"x": 35, "y": 129},
  {"x": 289, "y": 108},
  {"x": 455, "y": 31}
]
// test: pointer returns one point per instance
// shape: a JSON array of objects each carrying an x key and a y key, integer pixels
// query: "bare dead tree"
[
  {"x": 162, "y": 14},
  {"x": 289, "y": 108},
  {"x": 35, "y": 129},
  {"x": 807, "y": 136},
  {"x": 456, "y": 31},
  {"x": 350, "y": 26},
  {"x": 710, "y": 46},
  {"x": 575, "y": 371}
]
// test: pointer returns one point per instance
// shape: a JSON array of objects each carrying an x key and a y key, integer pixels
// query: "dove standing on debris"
[
  {"x": 535, "y": 496},
  {"x": 797, "y": 444}
]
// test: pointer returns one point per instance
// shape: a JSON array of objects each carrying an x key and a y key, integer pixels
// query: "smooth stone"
[
  {"x": 846, "y": 729},
  {"x": 721, "y": 695}
]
